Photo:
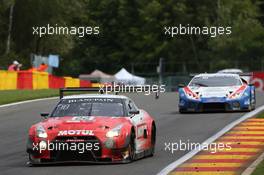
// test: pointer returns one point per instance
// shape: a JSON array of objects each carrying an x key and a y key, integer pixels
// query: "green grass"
[
  {"x": 261, "y": 115},
  {"x": 259, "y": 170},
  {"x": 9, "y": 96}
]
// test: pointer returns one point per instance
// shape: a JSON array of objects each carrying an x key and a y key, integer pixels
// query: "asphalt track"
[{"x": 171, "y": 127}]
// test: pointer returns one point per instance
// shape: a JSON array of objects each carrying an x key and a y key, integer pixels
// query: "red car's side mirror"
[{"x": 44, "y": 115}]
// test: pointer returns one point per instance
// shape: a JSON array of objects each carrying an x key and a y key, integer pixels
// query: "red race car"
[{"x": 92, "y": 128}]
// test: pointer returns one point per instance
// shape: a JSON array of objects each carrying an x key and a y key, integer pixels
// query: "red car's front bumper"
[{"x": 107, "y": 150}]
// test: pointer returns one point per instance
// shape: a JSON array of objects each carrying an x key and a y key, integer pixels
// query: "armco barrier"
[
  {"x": 40, "y": 80},
  {"x": 8, "y": 80},
  {"x": 56, "y": 82},
  {"x": 72, "y": 82}
]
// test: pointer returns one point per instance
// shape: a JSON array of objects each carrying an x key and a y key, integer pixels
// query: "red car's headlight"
[{"x": 40, "y": 132}]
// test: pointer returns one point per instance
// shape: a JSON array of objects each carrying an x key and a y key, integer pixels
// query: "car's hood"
[
  {"x": 88, "y": 125},
  {"x": 206, "y": 92}
]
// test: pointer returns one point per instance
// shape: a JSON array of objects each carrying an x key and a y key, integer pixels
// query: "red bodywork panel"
[{"x": 97, "y": 127}]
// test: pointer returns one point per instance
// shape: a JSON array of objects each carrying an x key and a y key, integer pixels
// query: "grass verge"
[
  {"x": 10, "y": 96},
  {"x": 261, "y": 115},
  {"x": 259, "y": 170}
]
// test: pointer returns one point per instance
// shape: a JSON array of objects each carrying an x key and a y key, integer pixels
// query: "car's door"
[{"x": 139, "y": 122}]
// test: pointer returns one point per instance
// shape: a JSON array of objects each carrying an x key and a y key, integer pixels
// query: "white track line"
[
  {"x": 190, "y": 154},
  {"x": 27, "y": 101},
  {"x": 254, "y": 165}
]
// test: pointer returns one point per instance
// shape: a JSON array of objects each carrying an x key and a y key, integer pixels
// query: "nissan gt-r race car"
[
  {"x": 92, "y": 128},
  {"x": 217, "y": 92}
]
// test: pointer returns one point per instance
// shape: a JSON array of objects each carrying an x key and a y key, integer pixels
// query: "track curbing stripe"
[{"x": 190, "y": 154}]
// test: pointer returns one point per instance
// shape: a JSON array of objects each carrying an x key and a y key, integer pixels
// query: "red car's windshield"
[{"x": 88, "y": 108}]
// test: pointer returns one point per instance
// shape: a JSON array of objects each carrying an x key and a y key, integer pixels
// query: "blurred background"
[{"x": 132, "y": 37}]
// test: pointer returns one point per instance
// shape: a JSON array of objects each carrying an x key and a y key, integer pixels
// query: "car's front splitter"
[{"x": 204, "y": 106}]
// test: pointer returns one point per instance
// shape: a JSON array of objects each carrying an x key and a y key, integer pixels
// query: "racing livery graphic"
[
  {"x": 217, "y": 92},
  {"x": 92, "y": 128}
]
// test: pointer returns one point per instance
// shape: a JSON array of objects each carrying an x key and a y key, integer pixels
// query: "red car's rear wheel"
[{"x": 131, "y": 147}]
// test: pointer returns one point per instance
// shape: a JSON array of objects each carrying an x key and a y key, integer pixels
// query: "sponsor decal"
[
  {"x": 81, "y": 118},
  {"x": 79, "y": 100},
  {"x": 85, "y": 118},
  {"x": 258, "y": 80},
  {"x": 75, "y": 132}
]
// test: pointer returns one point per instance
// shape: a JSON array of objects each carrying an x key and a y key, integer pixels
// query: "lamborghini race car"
[
  {"x": 92, "y": 128},
  {"x": 217, "y": 92}
]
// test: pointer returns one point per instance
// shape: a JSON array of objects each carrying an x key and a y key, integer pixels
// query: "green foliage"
[
  {"x": 132, "y": 31},
  {"x": 246, "y": 41}
]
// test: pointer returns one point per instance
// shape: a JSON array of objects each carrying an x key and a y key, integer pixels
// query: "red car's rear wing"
[{"x": 105, "y": 90}]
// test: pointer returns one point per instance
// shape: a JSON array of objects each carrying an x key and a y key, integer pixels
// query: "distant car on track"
[
  {"x": 111, "y": 128},
  {"x": 245, "y": 76},
  {"x": 217, "y": 92},
  {"x": 231, "y": 71}
]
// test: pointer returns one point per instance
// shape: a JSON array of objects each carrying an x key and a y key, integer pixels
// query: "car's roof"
[
  {"x": 95, "y": 96},
  {"x": 217, "y": 75}
]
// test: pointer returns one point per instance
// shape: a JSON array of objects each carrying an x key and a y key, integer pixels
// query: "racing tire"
[
  {"x": 32, "y": 161},
  {"x": 182, "y": 111},
  {"x": 153, "y": 139},
  {"x": 252, "y": 106},
  {"x": 249, "y": 107},
  {"x": 131, "y": 147}
]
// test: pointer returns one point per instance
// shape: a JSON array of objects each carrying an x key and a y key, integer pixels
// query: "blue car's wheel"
[
  {"x": 254, "y": 98},
  {"x": 252, "y": 104},
  {"x": 182, "y": 110}
]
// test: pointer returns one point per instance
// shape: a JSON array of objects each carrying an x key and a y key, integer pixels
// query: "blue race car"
[{"x": 217, "y": 92}]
